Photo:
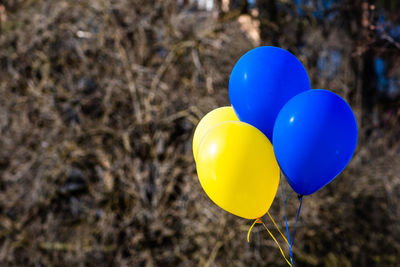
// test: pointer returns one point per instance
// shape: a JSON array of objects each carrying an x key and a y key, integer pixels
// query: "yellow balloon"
[
  {"x": 237, "y": 169},
  {"x": 209, "y": 121}
]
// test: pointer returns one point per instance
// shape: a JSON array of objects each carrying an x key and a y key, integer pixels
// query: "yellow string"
[
  {"x": 283, "y": 254},
  {"x": 251, "y": 228},
  {"x": 259, "y": 221},
  {"x": 276, "y": 226}
]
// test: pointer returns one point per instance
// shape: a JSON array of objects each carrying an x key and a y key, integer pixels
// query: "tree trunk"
[{"x": 268, "y": 14}]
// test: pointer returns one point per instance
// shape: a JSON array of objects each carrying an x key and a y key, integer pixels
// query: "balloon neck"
[{"x": 299, "y": 196}]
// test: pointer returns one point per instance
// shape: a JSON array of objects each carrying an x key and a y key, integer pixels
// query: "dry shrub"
[{"x": 98, "y": 103}]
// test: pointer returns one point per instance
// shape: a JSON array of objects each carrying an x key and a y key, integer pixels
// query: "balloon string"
[
  {"x": 291, "y": 240},
  {"x": 287, "y": 227},
  {"x": 283, "y": 254},
  {"x": 251, "y": 228},
  {"x": 297, "y": 219},
  {"x": 277, "y": 228},
  {"x": 266, "y": 228}
]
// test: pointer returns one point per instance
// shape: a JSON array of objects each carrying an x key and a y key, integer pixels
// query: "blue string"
[
  {"x": 291, "y": 240},
  {"x": 297, "y": 219},
  {"x": 287, "y": 228}
]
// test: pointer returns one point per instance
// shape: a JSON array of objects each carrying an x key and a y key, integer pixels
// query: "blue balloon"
[
  {"x": 315, "y": 136},
  {"x": 262, "y": 81}
]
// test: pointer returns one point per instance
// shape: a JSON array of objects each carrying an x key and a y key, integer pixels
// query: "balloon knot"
[{"x": 258, "y": 220}]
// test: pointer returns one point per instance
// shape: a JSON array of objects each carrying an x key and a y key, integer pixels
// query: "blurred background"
[{"x": 98, "y": 104}]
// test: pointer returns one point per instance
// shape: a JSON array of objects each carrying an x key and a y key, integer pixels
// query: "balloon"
[
  {"x": 262, "y": 81},
  {"x": 237, "y": 169},
  {"x": 315, "y": 135},
  {"x": 209, "y": 121}
]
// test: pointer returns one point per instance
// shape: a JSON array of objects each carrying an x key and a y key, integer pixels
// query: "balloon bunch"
[{"x": 276, "y": 122}]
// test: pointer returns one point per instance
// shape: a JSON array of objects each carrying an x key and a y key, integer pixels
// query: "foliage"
[{"x": 98, "y": 104}]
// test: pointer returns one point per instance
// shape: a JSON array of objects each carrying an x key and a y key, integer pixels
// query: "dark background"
[{"x": 98, "y": 104}]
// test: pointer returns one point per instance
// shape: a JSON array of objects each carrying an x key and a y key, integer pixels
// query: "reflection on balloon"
[
  {"x": 262, "y": 81},
  {"x": 237, "y": 168},
  {"x": 315, "y": 136},
  {"x": 209, "y": 121}
]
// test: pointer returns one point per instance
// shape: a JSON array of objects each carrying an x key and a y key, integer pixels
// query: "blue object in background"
[
  {"x": 379, "y": 66},
  {"x": 262, "y": 81},
  {"x": 299, "y": 7},
  {"x": 315, "y": 136},
  {"x": 381, "y": 24},
  {"x": 252, "y": 3},
  {"x": 328, "y": 63},
  {"x": 380, "y": 71},
  {"x": 393, "y": 89},
  {"x": 323, "y": 9},
  {"x": 394, "y": 31}
]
